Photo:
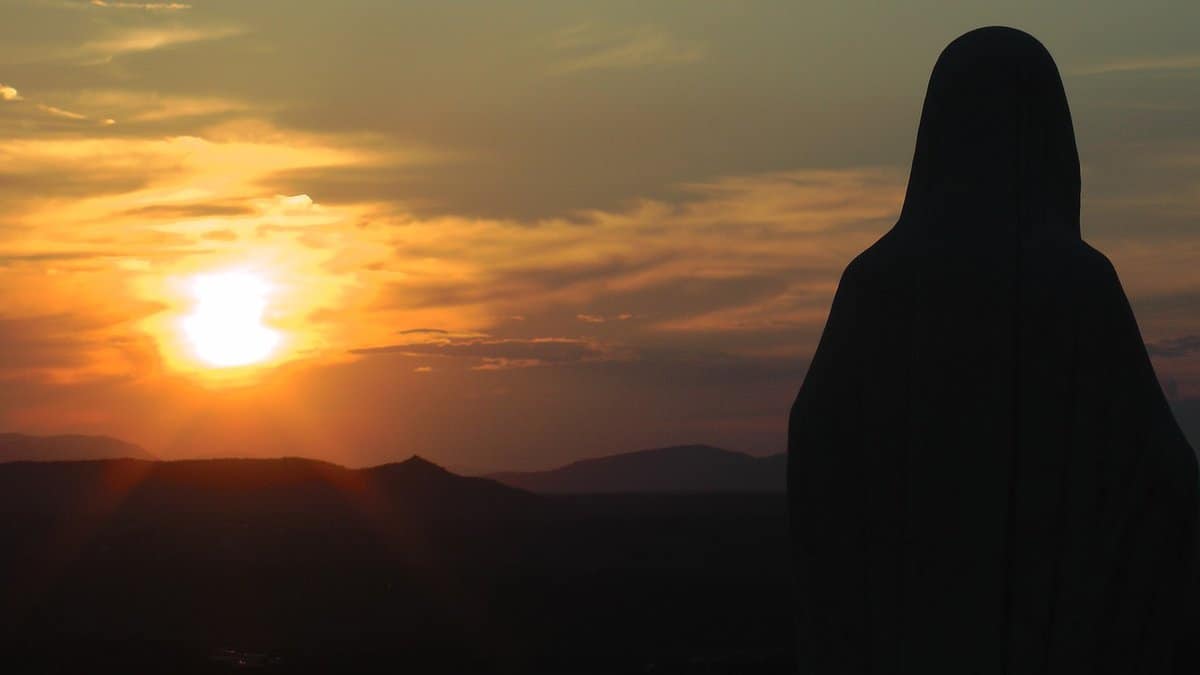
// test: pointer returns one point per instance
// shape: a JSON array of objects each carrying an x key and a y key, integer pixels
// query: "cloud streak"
[
  {"x": 142, "y": 40},
  {"x": 149, "y": 6},
  {"x": 595, "y": 318},
  {"x": 1175, "y": 347},
  {"x": 9, "y": 93},
  {"x": 502, "y": 353},
  {"x": 584, "y": 48}
]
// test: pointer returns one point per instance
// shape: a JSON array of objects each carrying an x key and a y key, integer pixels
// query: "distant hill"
[
  {"x": 409, "y": 491},
  {"x": 69, "y": 447},
  {"x": 683, "y": 468},
  {"x": 422, "y": 482}
]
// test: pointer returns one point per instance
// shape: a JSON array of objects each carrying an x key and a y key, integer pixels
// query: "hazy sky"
[{"x": 512, "y": 234}]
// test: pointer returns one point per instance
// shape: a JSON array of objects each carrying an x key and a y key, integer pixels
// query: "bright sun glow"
[{"x": 225, "y": 329}]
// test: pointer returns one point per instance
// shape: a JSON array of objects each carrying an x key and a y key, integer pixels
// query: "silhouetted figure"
[{"x": 984, "y": 474}]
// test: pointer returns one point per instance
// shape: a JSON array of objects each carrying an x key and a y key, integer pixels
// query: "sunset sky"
[{"x": 509, "y": 234}]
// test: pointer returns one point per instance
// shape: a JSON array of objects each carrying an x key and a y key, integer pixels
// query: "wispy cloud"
[
  {"x": 586, "y": 48},
  {"x": 150, "y": 39},
  {"x": 155, "y": 107},
  {"x": 654, "y": 269},
  {"x": 1175, "y": 347},
  {"x": 114, "y": 42},
  {"x": 497, "y": 354},
  {"x": 10, "y": 94},
  {"x": 596, "y": 318},
  {"x": 59, "y": 112},
  {"x": 73, "y": 347},
  {"x": 149, "y": 6}
]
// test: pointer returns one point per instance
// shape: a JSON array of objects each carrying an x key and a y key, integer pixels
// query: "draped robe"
[{"x": 984, "y": 476}]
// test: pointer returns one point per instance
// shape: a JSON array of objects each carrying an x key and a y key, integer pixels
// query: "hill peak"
[{"x": 414, "y": 465}]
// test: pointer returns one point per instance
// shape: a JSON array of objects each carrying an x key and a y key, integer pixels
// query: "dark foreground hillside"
[{"x": 300, "y": 566}]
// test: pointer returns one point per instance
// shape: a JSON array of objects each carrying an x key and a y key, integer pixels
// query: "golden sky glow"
[{"x": 347, "y": 229}]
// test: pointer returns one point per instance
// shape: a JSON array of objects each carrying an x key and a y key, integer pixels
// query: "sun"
[{"x": 225, "y": 328}]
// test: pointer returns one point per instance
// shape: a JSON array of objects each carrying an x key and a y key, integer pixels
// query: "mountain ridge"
[
  {"x": 254, "y": 487},
  {"x": 693, "y": 468},
  {"x": 673, "y": 469}
]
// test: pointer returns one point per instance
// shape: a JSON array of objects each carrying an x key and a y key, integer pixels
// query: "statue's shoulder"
[
  {"x": 1086, "y": 264},
  {"x": 882, "y": 262}
]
